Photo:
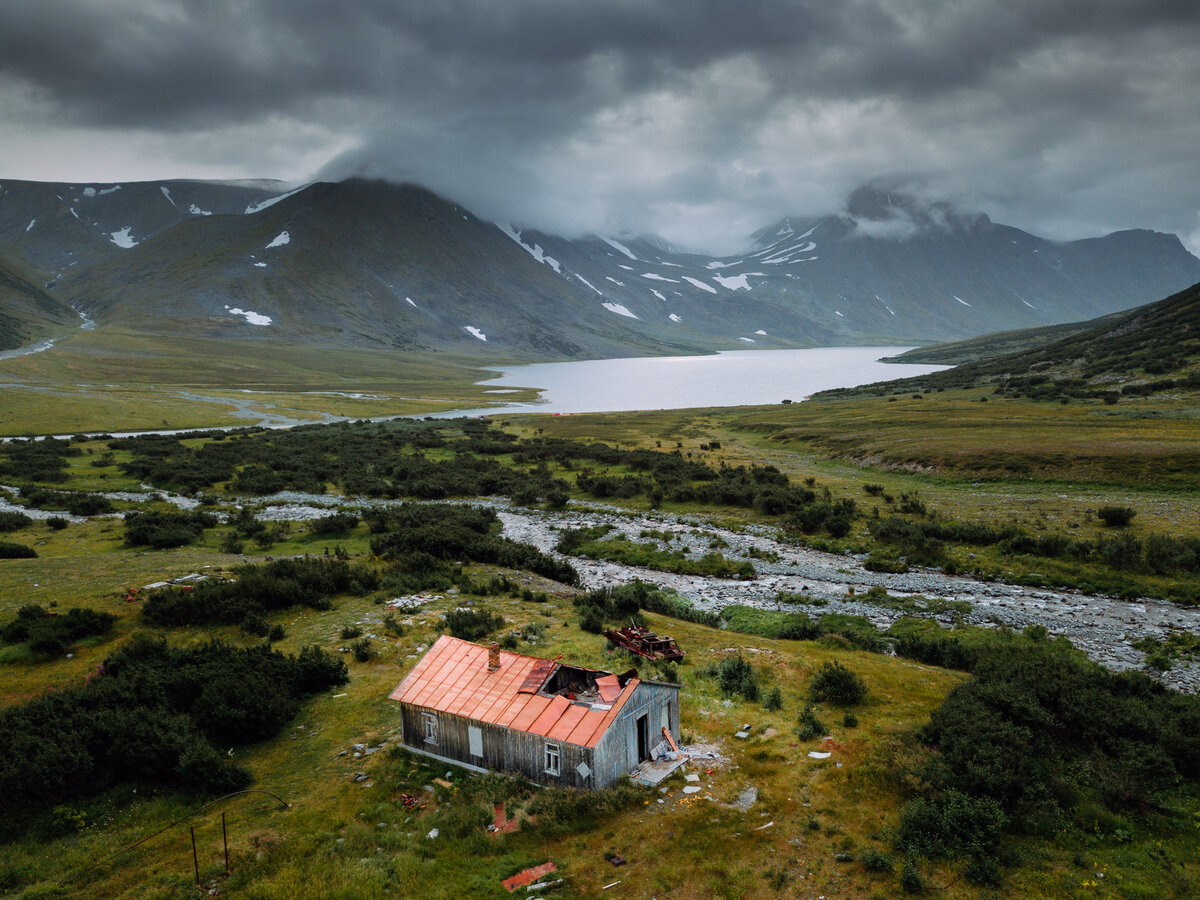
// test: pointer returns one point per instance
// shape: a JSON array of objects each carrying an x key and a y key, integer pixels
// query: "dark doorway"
[{"x": 643, "y": 737}]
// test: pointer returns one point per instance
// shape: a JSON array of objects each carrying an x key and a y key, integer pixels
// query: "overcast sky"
[{"x": 700, "y": 120}]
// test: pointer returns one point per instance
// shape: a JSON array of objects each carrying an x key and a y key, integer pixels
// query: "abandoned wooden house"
[{"x": 487, "y": 709}]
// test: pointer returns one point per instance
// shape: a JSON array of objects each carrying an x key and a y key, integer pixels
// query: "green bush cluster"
[
  {"x": 13, "y": 550},
  {"x": 624, "y": 602},
  {"x": 162, "y": 530},
  {"x": 49, "y": 635},
  {"x": 257, "y": 590},
  {"x": 42, "y": 459},
  {"x": 11, "y": 520},
  {"x": 454, "y": 532},
  {"x": 1038, "y": 730},
  {"x": 154, "y": 715},
  {"x": 837, "y": 685},
  {"x": 77, "y": 503},
  {"x": 472, "y": 624}
]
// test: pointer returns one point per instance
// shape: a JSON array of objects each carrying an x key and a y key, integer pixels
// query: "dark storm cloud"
[{"x": 700, "y": 119}]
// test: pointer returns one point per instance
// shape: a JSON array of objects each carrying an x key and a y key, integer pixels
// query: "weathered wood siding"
[
  {"x": 504, "y": 749},
  {"x": 616, "y": 753}
]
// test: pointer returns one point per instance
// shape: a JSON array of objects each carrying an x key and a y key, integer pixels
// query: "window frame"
[
  {"x": 552, "y": 758},
  {"x": 430, "y": 721}
]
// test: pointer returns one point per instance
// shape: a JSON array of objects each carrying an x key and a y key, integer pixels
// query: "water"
[{"x": 732, "y": 378}]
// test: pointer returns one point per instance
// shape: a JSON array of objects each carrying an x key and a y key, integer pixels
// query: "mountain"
[
  {"x": 27, "y": 311},
  {"x": 365, "y": 263},
  {"x": 1149, "y": 350}
]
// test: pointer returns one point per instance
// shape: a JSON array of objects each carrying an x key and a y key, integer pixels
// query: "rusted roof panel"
[
  {"x": 541, "y": 671},
  {"x": 453, "y": 677},
  {"x": 609, "y": 687}
]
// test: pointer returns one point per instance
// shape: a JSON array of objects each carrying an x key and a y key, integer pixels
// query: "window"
[
  {"x": 552, "y": 759},
  {"x": 430, "y": 727},
  {"x": 475, "y": 740}
]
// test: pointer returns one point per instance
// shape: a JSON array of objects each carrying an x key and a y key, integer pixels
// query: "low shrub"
[
  {"x": 11, "y": 550},
  {"x": 1115, "y": 516},
  {"x": 837, "y": 685}
]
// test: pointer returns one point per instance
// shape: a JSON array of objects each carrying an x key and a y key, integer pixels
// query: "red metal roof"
[{"x": 453, "y": 677}]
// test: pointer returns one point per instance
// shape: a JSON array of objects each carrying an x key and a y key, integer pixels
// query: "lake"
[{"x": 731, "y": 378}]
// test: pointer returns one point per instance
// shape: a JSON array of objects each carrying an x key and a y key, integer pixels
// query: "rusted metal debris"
[{"x": 645, "y": 643}]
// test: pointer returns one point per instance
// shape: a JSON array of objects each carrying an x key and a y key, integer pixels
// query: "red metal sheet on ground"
[{"x": 528, "y": 876}]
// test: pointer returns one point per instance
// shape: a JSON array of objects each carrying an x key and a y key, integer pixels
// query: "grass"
[
  {"x": 330, "y": 843},
  {"x": 112, "y": 379}
]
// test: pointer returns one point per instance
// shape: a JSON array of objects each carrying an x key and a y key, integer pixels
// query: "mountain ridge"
[{"x": 370, "y": 263}]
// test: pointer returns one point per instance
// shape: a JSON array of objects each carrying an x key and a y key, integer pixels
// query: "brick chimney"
[{"x": 493, "y": 656}]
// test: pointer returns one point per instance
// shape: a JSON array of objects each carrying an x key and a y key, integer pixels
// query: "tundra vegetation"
[{"x": 971, "y": 760}]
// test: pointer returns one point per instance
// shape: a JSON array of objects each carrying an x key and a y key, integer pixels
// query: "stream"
[{"x": 1102, "y": 627}]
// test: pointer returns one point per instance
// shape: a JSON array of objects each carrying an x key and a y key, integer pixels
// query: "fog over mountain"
[{"x": 695, "y": 120}]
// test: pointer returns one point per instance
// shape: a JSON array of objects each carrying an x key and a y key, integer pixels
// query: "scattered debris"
[
  {"x": 528, "y": 876},
  {"x": 817, "y": 754},
  {"x": 746, "y": 799},
  {"x": 607, "y": 886},
  {"x": 645, "y": 643},
  {"x": 411, "y": 803},
  {"x": 617, "y": 860},
  {"x": 433, "y": 833},
  {"x": 761, "y": 827}
]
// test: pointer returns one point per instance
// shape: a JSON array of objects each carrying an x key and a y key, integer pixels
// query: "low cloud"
[{"x": 700, "y": 120}]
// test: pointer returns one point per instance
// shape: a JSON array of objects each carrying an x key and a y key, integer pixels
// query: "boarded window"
[
  {"x": 475, "y": 740},
  {"x": 552, "y": 759},
  {"x": 430, "y": 720}
]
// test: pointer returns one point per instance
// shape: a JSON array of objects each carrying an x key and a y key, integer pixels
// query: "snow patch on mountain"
[
  {"x": 733, "y": 282},
  {"x": 166, "y": 193},
  {"x": 271, "y": 201},
  {"x": 409, "y": 301},
  {"x": 535, "y": 251},
  {"x": 121, "y": 238},
  {"x": 475, "y": 332},
  {"x": 760, "y": 331},
  {"x": 614, "y": 281},
  {"x": 658, "y": 295},
  {"x": 618, "y": 309},
  {"x": 109, "y": 190},
  {"x": 1027, "y": 303},
  {"x": 589, "y": 284},
  {"x": 654, "y": 276},
  {"x": 717, "y": 264},
  {"x": 674, "y": 318},
  {"x": 617, "y": 245},
  {"x": 89, "y": 192},
  {"x": 30, "y": 225},
  {"x": 282, "y": 238},
  {"x": 700, "y": 284},
  {"x": 960, "y": 300},
  {"x": 197, "y": 211},
  {"x": 251, "y": 317},
  {"x": 747, "y": 340}
]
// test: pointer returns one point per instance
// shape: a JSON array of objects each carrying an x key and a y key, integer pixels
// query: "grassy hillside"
[
  {"x": 1000, "y": 343},
  {"x": 27, "y": 311},
  {"x": 833, "y": 825},
  {"x": 1150, "y": 350}
]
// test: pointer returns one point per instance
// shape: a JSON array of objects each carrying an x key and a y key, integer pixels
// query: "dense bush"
[
  {"x": 50, "y": 634},
  {"x": 837, "y": 685},
  {"x": 11, "y": 550},
  {"x": 624, "y": 602},
  {"x": 1039, "y": 729},
  {"x": 162, "y": 530},
  {"x": 258, "y": 589},
  {"x": 472, "y": 624},
  {"x": 737, "y": 678},
  {"x": 77, "y": 503},
  {"x": 154, "y": 715},
  {"x": 12, "y": 520},
  {"x": 37, "y": 460},
  {"x": 1115, "y": 516},
  {"x": 337, "y": 523},
  {"x": 444, "y": 531}
]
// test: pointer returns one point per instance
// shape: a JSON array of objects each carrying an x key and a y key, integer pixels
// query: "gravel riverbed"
[{"x": 1102, "y": 627}]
